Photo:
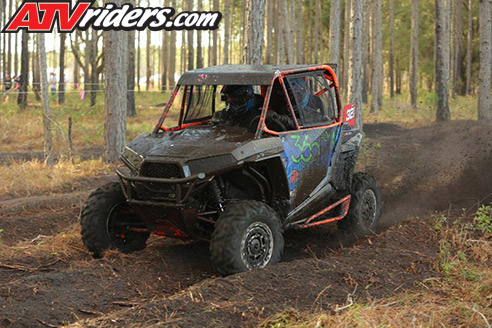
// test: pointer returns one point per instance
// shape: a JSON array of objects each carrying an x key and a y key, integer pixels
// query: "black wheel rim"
[
  {"x": 257, "y": 245},
  {"x": 369, "y": 209},
  {"x": 118, "y": 231}
]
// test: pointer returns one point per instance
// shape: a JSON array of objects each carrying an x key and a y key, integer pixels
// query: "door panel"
[{"x": 306, "y": 157}]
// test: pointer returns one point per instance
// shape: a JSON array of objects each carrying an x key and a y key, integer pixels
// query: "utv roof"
[{"x": 241, "y": 74}]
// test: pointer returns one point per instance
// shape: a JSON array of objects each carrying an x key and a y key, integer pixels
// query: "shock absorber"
[{"x": 216, "y": 194}]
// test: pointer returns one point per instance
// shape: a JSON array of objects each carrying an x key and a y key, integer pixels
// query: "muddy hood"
[{"x": 203, "y": 141}]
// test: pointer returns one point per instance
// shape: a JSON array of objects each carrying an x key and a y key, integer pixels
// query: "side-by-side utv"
[{"x": 239, "y": 178}]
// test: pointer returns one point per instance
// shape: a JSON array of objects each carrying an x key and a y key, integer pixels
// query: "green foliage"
[
  {"x": 1, "y": 235},
  {"x": 483, "y": 218},
  {"x": 440, "y": 222}
]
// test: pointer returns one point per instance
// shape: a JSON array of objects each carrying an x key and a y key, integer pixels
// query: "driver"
[
  {"x": 308, "y": 108},
  {"x": 243, "y": 105}
]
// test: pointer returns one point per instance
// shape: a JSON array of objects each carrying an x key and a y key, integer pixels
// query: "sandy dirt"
[{"x": 47, "y": 279}]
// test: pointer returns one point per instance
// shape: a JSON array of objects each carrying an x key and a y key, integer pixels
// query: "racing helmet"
[
  {"x": 240, "y": 98},
  {"x": 299, "y": 91}
]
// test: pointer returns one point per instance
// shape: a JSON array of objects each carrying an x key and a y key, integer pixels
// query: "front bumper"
[{"x": 174, "y": 192}]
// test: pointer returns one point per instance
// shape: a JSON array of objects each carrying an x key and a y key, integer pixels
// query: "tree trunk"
[
  {"x": 346, "y": 47},
  {"x": 215, "y": 37},
  {"x": 469, "y": 47},
  {"x": 48, "y": 140},
  {"x": 22, "y": 95},
  {"x": 115, "y": 65},
  {"x": 55, "y": 38},
  {"x": 164, "y": 59},
  {"x": 130, "y": 95},
  {"x": 75, "y": 64},
  {"x": 2, "y": 35},
  {"x": 334, "y": 55},
  {"x": 278, "y": 36},
  {"x": 87, "y": 76},
  {"x": 292, "y": 32},
  {"x": 317, "y": 23},
  {"x": 289, "y": 51},
  {"x": 209, "y": 51},
  {"x": 254, "y": 32},
  {"x": 227, "y": 29},
  {"x": 398, "y": 78},
  {"x": 377, "y": 73},
  {"x": 442, "y": 59},
  {"x": 311, "y": 20},
  {"x": 3, "y": 15},
  {"x": 191, "y": 47},
  {"x": 172, "y": 54},
  {"x": 148, "y": 70},
  {"x": 268, "y": 52},
  {"x": 36, "y": 74},
  {"x": 61, "y": 82},
  {"x": 485, "y": 75},
  {"x": 199, "y": 51},
  {"x": 392, "y": 47},
  {"x": 300, "y": 35},
  {"x": 16, "y": 54},
  {"x": 355, "y": 67},
  {"x": 414, "y": 53},
  {"x": 366, "y": 53},
  {"x": 154, "y": 68},
  {"x": 458, "y": 83},
  {"x": 9, "y": 43},
  {"x": 183, "y": 52},
  {"x": 138, "y": 60},
  {"x": 94, "y": 72},
  {"x": 269, "y": 32}
]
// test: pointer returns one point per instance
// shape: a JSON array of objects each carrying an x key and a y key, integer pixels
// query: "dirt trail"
[
  {"x": 445, "y": 166},
  {"x": 52, "y": 281}
]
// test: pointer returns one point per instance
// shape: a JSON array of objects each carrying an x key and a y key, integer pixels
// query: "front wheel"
[
  {"x": 365, "y": 206},
  {"x": 107, "y": 221},
  {"x": 248, "y": 235}
]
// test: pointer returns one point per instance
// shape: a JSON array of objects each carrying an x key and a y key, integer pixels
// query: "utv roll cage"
[{"x": 264, "y": 75}]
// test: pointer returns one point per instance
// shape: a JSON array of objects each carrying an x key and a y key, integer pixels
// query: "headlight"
[{"x": 133, "y": 158}]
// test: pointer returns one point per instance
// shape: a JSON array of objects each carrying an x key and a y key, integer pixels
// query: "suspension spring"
[{"x": 216, "y": 193}]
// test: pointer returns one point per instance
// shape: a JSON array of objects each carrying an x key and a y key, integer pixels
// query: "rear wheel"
[
  {"x": 107, "y": 222},
  {"x": 365, "y": 206},
  {"x": 247, "y": 235}
]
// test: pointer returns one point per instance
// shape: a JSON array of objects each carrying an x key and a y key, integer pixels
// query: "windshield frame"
[{"x": 327, "y": 71}]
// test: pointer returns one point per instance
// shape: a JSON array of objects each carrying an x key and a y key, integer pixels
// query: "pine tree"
[
  {"x": 48, "y": 139},
  {"x": 254, "y": 32},
  {"x": 485, "y": 75},
  {"x": 355, "y": 67},
  {"x": 442, "y": 59},
  {"x": 414, "y": 53},
  {"x": 115, "y": 68}
]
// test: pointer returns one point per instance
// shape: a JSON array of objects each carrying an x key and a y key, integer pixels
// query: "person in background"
[
  {"x": 53, "y": 83},
  {"x": 7, "y": 83},
  {"x": 7, "y": 87}
]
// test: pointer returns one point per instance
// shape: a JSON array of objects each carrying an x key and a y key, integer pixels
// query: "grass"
[
  {"x": 459, "y": 296},
  {"x": 22, "y": 130},
  {"x": 21, "y": 179},
  {"x": 398, "y": 110}
]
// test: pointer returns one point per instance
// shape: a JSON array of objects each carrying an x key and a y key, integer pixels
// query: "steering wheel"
[
  {"x": 320, "y": 105},
  {"x": 273, "y": 122}
]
